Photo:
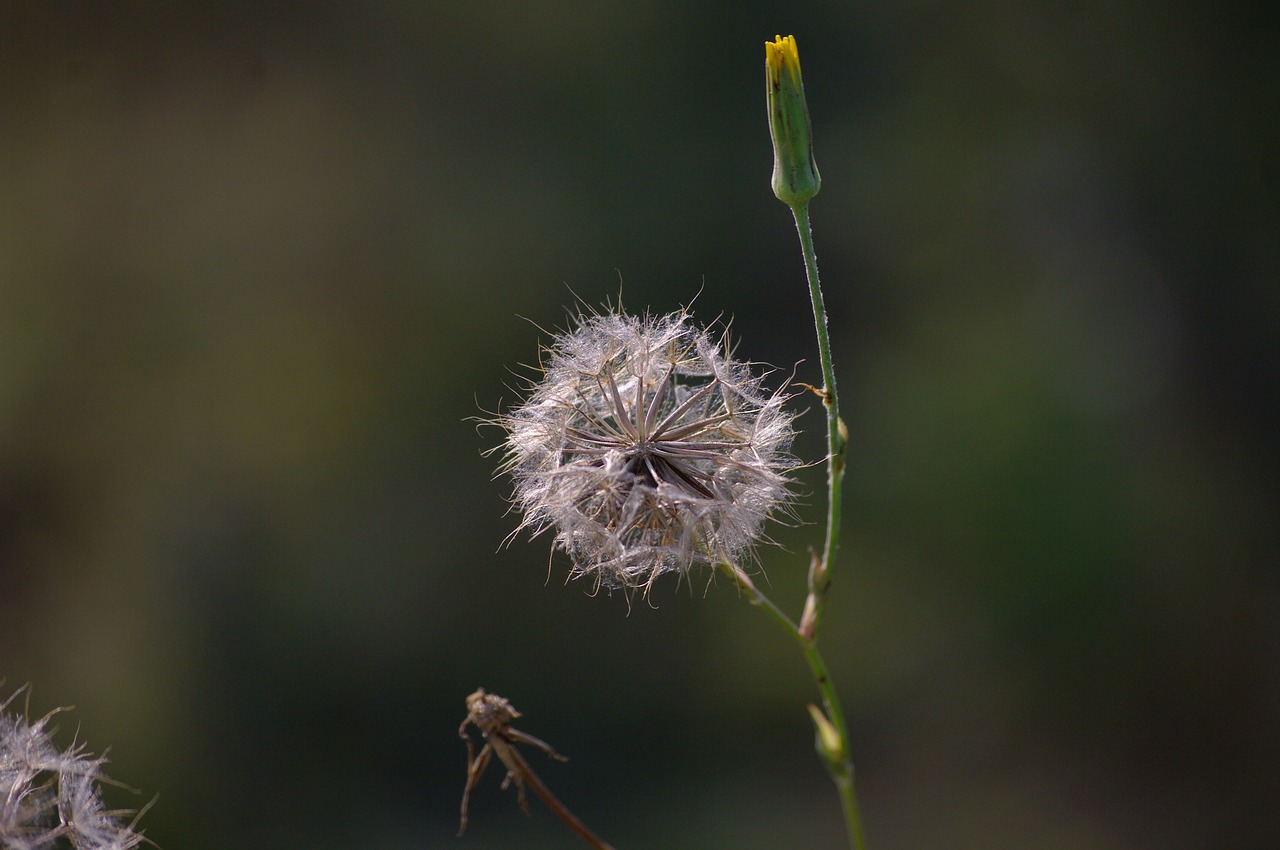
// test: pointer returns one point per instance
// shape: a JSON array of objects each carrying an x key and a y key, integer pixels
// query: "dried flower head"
[{"x": 647, "y": 448}]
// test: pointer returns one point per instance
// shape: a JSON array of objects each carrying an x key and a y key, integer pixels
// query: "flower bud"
[
  {"x": 827, "y": 740},
  {"x": 795, "y": 174},
  {"x": 809, "y": 618}
]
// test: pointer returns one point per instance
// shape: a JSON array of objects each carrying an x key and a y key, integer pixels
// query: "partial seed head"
[
  {"x": 49, "y": 797},
  {"x": 647, "y": 449}
]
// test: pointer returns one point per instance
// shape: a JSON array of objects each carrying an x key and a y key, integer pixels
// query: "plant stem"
[
  {"x": 842, "y": 769},
  {"x": 836, "y": 435},
  {"x": 559, "y": 808},
  {"x": 841, "y": 772}
]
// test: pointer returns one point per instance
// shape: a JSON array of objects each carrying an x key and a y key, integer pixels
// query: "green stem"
[
  {"x": 836, "y": 435},
  {"x": 820, "y": 574},
  {"x": 841, "y": 769},
  {"x": 841, "y": 772}
]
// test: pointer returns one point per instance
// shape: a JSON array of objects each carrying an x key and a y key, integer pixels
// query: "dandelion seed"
[{"x": 648, "y": 449}]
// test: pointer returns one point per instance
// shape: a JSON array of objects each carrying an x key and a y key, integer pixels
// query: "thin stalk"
[
  {"x": 841, "y": 773},
  {"x": 842, "y": 769},
  {"x": 557, "y": 807},
  {"x": 836, "y": 435}
]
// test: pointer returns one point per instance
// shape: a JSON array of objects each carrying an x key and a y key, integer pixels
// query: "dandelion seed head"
[{"x": 647, "y": 449}]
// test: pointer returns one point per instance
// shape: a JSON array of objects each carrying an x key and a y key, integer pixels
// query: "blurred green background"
[{"x": 260, "y": 263}]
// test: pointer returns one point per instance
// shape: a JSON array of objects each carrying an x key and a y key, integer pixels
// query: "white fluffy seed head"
[
  {"x": 647, "y": 449},
  {"x": 49, "y": 797}
]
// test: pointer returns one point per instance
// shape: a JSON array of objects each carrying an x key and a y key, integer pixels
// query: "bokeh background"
[{"x": 260, "y": 264}]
